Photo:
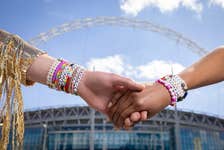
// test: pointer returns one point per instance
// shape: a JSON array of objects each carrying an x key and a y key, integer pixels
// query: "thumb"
[{"x": 126, "y": 83}]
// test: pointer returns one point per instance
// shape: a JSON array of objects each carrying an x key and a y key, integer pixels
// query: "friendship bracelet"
[
  {"x": 58, "y": 73},
  {"x": 51, "y": 72},
  {"x": 176, "y": 86},
  {"x": 65, "y": 77},
  {"x": 170, "y": 90},
  {"x": 76, "y": 68},
  {"x": 77, "y": 79},
  {"x": 57, "y": 70},
  {"x": 65, "y": 74}
]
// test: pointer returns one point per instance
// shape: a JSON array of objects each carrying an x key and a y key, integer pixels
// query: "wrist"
[
  {"x": 64, "y": 76},
  {"x": 38, "y": 70},
  {"x": 187, "y": 79},
  {"x": 176, "y": 87},
  {"x": 82, "y": 85},
  {"x": 163, "y": 93}
]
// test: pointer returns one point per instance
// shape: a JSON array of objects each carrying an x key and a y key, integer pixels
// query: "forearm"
[
  {"x": 208, "y": 70},
  {"x": 38, "y": 70}
]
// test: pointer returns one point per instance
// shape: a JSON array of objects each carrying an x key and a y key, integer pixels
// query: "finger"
[
  {"x": 122, "y": 102},
  {"x": 135, "y": 117},
  {"x": 126, "y": 113},
  {"x": 114, "y": 100},
  {"x": 144, "y": 115},
  {"x": 128, "y": 124},
  {"x": 112, "y": 107},
  {"x": 129, "y": 84},
  {"x": 120, "y": 88},
  {"x": 117, "y": 97}
]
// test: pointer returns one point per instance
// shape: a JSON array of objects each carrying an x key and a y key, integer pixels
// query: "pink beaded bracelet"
[{"x": 170, "y": 90}]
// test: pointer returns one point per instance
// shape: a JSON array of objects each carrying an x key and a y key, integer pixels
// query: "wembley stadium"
[{"x": 82, "y": 128}]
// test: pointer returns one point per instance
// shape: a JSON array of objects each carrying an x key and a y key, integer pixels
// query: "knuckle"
[{"x": 139, "y": 103}]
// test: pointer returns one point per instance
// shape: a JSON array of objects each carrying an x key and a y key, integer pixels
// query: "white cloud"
[
  {"x": 133, "y": 7},
  {"x": 217, "y": 2},
  {"x": 158, "y": 68},
  {"x": 149, "y": 71},
  {"x": 108, "y": 64}
]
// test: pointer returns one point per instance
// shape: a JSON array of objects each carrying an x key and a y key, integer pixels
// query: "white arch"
[{"x": 118, "y": 21}]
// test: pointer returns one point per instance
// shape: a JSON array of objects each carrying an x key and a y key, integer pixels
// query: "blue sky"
[{"x": 136, "y": 53}]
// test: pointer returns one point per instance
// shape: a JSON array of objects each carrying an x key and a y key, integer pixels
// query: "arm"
[
  {"x": 23, "y": 63},
  {"x": 208, "y": 70},
  {"x": 155, "y": 97},
  {"x": 94, "y": 85},
  {"x": 96, "y": 88}
]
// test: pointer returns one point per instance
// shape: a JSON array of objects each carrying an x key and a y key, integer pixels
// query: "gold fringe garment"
[{"x": 14, "y": 62}]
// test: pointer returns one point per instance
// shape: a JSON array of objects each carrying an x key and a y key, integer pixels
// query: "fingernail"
[{"x": 109, "y": 105}]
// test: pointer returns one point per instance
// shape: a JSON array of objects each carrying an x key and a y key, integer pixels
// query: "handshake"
[{"x": 123, "y": 100}]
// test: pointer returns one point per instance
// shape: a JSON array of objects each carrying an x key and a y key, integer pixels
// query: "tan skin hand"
[
  {"x": 153, "y": 99},
  {"x": 208, "y": 70}
]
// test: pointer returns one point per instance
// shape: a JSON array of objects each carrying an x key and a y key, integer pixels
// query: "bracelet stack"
[
  {"x": 176, "y": 87},
  {"x": 64, "y": 76}
]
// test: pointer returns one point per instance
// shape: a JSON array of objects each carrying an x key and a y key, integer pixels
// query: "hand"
[
  {"x": 152, "y": 99},
  {"x": 98, "y": 88}
]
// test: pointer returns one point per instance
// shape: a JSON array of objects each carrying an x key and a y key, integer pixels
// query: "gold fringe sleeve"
[{"x": 15, "y": 58}]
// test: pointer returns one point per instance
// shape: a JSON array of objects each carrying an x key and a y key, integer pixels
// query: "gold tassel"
[{"x": 11, "y": 103}]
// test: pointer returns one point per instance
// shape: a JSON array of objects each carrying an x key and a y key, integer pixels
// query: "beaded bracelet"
[
  {"x": 64, "y": 76},
  {"x": 179, "y": 85},
  {"x": 51, "y": 72},
  {"x": 176, "y": 86},
  {"x": 77, "y": 79},
  {"x": 170, "y": 90}
]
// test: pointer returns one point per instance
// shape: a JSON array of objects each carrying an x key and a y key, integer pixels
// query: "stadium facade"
[{"x": 81, "y": 128}]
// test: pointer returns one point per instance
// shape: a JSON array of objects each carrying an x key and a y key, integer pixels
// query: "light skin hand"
[
  {"x": 98, "y": 88},
  {"x": 152, "y": 99}
]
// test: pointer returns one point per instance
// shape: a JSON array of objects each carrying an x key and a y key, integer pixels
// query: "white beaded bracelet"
[
  {"x": 51, "y": 72},
  {"x": 178, "y": 85},
  {"x": 77, "y": 78}
]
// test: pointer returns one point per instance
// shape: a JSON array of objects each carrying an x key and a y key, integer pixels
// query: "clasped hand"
[{"x": 124, "y": 101}]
